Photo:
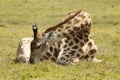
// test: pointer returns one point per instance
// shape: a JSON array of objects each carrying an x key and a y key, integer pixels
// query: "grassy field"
[{"x": 17, "y": 16}]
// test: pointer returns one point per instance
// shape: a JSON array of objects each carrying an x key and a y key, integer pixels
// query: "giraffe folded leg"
[
  {"x": 67, "y": 59},
  {"x": 91, "y": 52}
]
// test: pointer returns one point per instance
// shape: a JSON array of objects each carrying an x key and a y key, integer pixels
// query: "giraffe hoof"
[{"x": 97, "y": 60}]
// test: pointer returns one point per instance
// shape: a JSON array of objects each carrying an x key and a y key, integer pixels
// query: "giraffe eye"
[{"x": 38, "y": 45}]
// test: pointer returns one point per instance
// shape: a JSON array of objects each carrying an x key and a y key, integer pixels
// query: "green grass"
[{"x": 17, "y": 16}]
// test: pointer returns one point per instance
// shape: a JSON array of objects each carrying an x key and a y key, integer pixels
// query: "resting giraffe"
[
  {"x": 75, "y": 43},
  {"x": 23, "y": 50}
]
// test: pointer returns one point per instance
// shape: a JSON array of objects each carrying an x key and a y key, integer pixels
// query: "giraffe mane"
[{"x": 61, "y": 23}]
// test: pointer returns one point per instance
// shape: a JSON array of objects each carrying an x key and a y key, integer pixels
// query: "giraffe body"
[{"x": 73, "y": 43}]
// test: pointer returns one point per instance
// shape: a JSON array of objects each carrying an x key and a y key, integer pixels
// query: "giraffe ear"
[
  {"x": 51, "y": 38},
  {"x": 49, "y": 35}
]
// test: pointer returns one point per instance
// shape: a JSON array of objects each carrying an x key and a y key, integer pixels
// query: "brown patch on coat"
[
  {"x": 48, "y": 54},
  {"x": 81, "y": 51},
  {"x": 72, "y": 53},
  {"x": 81, "y": 44},
  {"x": 68, "y": 37},
  {"x": 53, "y": 58},
  {"x": 65, "y": 46},
  {"x": 79, "y": 35},
  {"x": 68, "y": 49},
  {"x": 90, "y": 44},
  {"x": 56, "y": 52},
  {"x": 51, "y": 49},
  {"x": 86, "y": 40},
  {"x": 86, "y": 23},
  {"x": 75, "y": 47},
  {"x": 76, "y": 40},
  {"x": 66, "y": 41},
  {"x": 71, "y": 43},
  {"x": 67, "y": 56},
  {"x": 86, "y": 56},
  {"x": 59, "y": 30},
  {"x": 65, "y": 34},
  {"x": 78, "y": 55},
  {"x": 86, "y": 35},
  {"x": 93, "y": 51},
  {"x": 76, "y": 28},
  {"x": 67, "y": 27},
  {"x": 82, "y": 26}
]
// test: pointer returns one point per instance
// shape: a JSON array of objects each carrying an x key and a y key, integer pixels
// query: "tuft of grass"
[{"x": 17, "y": 17}]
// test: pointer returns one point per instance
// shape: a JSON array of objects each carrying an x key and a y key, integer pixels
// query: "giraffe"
[
  {"x": 23, "y": 50},
  {"x": 72, "y": 45}
]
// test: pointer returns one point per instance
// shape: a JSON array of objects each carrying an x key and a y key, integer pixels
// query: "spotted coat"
[{"x": 74, "y": 42}]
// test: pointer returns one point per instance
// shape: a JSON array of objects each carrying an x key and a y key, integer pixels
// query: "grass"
[{"x": 16, "y": 18}]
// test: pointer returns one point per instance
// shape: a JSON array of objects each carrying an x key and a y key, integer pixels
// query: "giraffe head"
[
  {"x": 40, "y": 43},
  {"x": 45, "y": 38}
]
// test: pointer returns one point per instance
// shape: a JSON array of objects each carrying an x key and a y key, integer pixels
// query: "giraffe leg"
[
  {"x": 96, "y": 60},
  {"x": 67, "y": 59},
  {"x": 90, "y": 51},
  {"x": 63, "y": 60},
  {"x": 91, "y": 54}
]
